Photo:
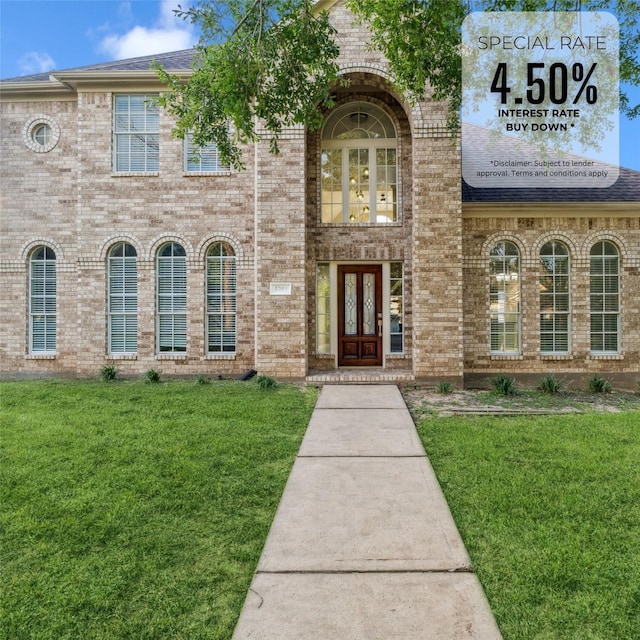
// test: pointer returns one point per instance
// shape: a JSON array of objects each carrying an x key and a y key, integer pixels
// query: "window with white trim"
[
  {"x": 359, "y": 166},
  {"x": 504, "y": 298},
  {"x": 323, "y": 309},
  {"x": 204, "y": 159},
  {"x": 123, "y": 299},
  {"x": 221, "y": 299},
  {"x": 136, "y": 133},
  {"x": 605, "y": 298},
  {"x": 171, "y": 304},
  {"x": 555, "y": 317},
  {"x": 42, "y": 301},
  {"x": 396, "y": 307}
]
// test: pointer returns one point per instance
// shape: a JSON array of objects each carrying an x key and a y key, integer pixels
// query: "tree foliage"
[{"x": 275, "y": 61}]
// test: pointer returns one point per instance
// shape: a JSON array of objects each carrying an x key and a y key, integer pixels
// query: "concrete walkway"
[{"x": 363, "y": 546}]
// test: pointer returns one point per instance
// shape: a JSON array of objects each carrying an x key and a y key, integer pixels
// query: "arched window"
[
  {"x": 359, "y": 166},
  {"x": 504, "y": 297},
  {"x": 221, "y": 299},
  {"x": 555, "y": 317},
  {"x": 605, "y": 298},
  {"x": 172, "y": 298},
  {"x": 123, "y": 299},
  {"x": 42, "y": 301}
]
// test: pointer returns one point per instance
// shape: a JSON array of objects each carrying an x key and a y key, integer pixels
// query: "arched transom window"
[{"x": 359, "y": 166}]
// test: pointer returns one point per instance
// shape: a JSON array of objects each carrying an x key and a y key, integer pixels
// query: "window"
[
  {"x": 42, "y": 301},
  {"x": 605, "y": 298},
  {"x": 504, "y": 298},
  {"x": 172, "y": 299},
  {"x": 323, "y": 309},
  {"x": 554, "y": 298},
  {"x": 123, "y": 299},
  {"x": 221, "y": 299},
  {"x": 202, "y": 159},
  {"x": 359, "y": 166},
  {"x": 396, "y": 306},
  {"x": 42, "y": 134},
  {"x": 135, "y": 133}
]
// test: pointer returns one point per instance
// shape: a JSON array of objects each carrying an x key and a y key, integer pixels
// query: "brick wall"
[{"x": 579, "y": 230}]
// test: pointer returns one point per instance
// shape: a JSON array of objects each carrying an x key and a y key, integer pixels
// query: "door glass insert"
[
  {"x": 350, "y": 304},
  {"x": 368, "y": 304}
]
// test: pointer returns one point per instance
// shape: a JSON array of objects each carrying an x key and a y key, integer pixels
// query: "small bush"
[
  {"x": 152, "y": 375},
  {"x": 265, "y": 382},
  {"x": 444, "y": 387},
  {"x": 202, "y": 379},
  {"x": 549, "y": 384},
  {"x": 504, "y": 385},
  {"x": 597, "y": 384},
  {"x": 108, "y": 372}
]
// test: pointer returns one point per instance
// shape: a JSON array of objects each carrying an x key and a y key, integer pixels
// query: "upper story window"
[
  {"x": 605, "y": 297},
  {"x": 504, "y": 298},
  {"x": 555, "y": 315},
  {"x": 42, "y": 134},
  {"x": 42, "y": 301},
  {"x": 135, "y": 133},
  {"x": 205, "y": 159},
  {"x": 359, "y": 166}
]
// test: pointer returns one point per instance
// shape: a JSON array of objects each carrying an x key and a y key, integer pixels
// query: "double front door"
[{"x": 360, "y": 315}]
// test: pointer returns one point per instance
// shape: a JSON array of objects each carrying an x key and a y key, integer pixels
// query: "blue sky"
[{"x": 40, "y": 35}]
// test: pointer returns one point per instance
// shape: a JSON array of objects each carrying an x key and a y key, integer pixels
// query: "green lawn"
[
  {"x": 138, "y": 511},
  {"x": 549, "y": 508}
]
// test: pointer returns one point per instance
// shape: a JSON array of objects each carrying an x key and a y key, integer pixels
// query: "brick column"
[
  {"x": 437, "y": 254},
  {"x": 281, "y": 320}
]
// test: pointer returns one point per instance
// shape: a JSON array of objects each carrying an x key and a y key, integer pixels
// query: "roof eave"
[
  {"x": 23, "y": 89},
  {"x": 75, "y": 79}
]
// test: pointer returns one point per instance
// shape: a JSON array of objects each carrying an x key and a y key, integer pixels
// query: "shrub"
[
  {"x": 598, "y": 384},
  {"x": 202, "y": 379},
  {"x": 265, "y": 382},
  {"x": 504, "y": 385},
  {"x": 152, "y": 375},
  {"x": 549, "y": 384},
  {"x": 444, "y": 387},
  {"x": 108, "y": 372}
]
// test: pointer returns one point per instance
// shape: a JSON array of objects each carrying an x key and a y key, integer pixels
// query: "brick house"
[{"x": 358, "y": 251}]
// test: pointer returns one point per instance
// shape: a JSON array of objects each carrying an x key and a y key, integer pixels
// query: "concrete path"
[{"x": 363, "y": 546}]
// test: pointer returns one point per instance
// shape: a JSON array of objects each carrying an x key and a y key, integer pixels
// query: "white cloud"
[
  {"x": 168, "y": 34},
  {"x": 36, "y": 62},
  {"x": 141, "y": 41}
]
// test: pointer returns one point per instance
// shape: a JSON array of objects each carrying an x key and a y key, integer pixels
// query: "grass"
[
  {"x": 138, "y": 511},
  {"x": 549, "y": 510}
]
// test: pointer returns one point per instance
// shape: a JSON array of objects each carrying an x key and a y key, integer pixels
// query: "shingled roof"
[
  {"x": 625, "y": 189},
  {"x": 172, "y": 61}
]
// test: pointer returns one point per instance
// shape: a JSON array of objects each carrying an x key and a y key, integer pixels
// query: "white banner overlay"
[{"x": 540, "y": 99}]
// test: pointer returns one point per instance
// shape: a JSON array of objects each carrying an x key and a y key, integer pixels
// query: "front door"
[{"x": 360, "y": 315}]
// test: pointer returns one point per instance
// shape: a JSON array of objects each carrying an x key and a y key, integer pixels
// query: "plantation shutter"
[
  {"x": 42, "y": 301},
  {"x": 136, "y": 133},
  {"x": 605, "y": 297},
  {"x": 221, "y": 299},
  {"x": 172, "y": 298},
  {"x": 123, "y": 299}
]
